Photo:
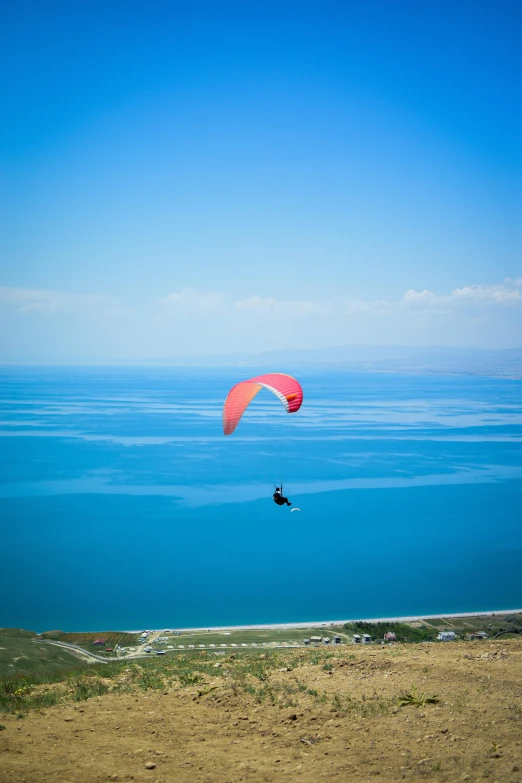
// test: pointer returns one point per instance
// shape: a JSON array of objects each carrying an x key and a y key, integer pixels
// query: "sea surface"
[{"x": 123, "y": 506}]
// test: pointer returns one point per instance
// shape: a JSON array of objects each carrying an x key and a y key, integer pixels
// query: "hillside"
[
  {"x": 437, "y": 712},
  {"x": 20, "y": 651}
]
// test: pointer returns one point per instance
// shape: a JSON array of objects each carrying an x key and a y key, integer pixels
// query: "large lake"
[{"x": 123, "y": 506}]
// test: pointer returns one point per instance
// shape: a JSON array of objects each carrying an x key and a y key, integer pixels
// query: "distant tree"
[{"x": 402, "y": 631}]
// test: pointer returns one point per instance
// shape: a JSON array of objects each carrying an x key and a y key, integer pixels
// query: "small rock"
[
  {"x": 515, "y": 768},
  {"x": 150, "y": 765},
  {"x": 113, "y": 777}
]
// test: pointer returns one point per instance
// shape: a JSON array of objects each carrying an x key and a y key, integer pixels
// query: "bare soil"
[{"x": 307, "y": 723}]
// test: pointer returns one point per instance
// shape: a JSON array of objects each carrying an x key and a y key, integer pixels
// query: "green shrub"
[{"x": 417, "y": 698}]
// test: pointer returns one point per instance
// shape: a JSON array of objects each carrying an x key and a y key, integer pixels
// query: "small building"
[
  {"x": 99, "y": 641},
  {"x": 446, "y": 636},
  {"x": 366, "y": 638},
  {"x": 109, "y": 649},
  {"x": 326, "y": 639},
  {"x": 356, "y": 638},
  {"x": 390, "y": 637},
  {"x": 337, "y": 640},
  {"x": 476, "y": 635},
  {"x": 306, "y": 641},
  {"x": 315, "y": 639}
]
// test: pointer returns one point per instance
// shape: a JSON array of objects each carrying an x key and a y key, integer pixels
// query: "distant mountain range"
[{"x": 378, "y": 358}]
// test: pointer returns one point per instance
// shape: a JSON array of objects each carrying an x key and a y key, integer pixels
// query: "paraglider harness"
[{"x": 279, "y": 498}]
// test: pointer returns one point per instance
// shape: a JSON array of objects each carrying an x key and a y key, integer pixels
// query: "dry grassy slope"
[
  {"x": 474, "y": 732},
  {"x": 18, "y": 652}
]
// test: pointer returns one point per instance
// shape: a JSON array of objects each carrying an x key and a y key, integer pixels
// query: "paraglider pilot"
[{"x": 279, "y": 498}]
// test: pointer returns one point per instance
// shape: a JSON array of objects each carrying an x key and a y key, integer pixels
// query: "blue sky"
[{"x": 210, "y": 177}]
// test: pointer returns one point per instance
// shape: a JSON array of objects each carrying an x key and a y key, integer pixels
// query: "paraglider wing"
[
  {"x": 286, "y": 388},
  {"x": 295, "y": 509}
]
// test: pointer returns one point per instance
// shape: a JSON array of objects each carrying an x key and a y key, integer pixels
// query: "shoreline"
[{"x": 318, "y": 623}]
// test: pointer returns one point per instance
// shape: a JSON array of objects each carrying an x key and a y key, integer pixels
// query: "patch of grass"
[
  {"x": 16, "y": 695},
  {"x": 2, "y": 727},
  {"x": 150, "y": 679},
  {"x": 318, "y": 656},
  {"x": 191, "y": 679},
  {"x": 87, "y": 687},
  {"x": 515, "y": 711},
  {"x": 280, "y": 694},
  {"x": 365, "y": 708},
  {"x": 417, "y": 698}
]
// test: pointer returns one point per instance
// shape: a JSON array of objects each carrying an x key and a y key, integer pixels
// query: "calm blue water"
[{"x": 123, "y": 506}]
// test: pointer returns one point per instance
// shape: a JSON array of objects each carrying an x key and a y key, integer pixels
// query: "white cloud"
[
  {"x": 255, "y": 304},
  {"x": 192, "y": 299},
  {"x": 419, "y": 297},
  {"x": 498, "y": 294},
  {"x": 34, "y": 300},
  {"x": 502, "y": 293},
  {"x": 41, "y": 323}
]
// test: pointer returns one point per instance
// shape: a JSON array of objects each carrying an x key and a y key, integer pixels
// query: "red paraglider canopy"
[{"x": 286, "y": 388}]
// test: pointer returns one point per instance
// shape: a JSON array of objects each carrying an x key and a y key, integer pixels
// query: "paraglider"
[
  {"x": 285, "y": 388},
  {"x": 279, "y": 498},
  {"x": 295, "y": 509}
]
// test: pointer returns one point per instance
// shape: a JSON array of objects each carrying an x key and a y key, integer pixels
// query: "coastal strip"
[{"x": 317, "y": 623}]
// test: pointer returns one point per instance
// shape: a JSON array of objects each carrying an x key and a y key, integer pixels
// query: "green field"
[
  {"x": 85, "y": 640},
  {"x": 19, "y": 653},
  {"x": 491, "y": 624},
  {"x": 253, "y": 636}
]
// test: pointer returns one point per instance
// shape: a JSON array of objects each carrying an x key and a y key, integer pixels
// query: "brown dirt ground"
[{"x": 473, "y": 733}]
